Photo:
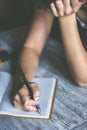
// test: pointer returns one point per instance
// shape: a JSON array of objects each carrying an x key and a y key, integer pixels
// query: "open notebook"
[{"x": 47, "y": 88}]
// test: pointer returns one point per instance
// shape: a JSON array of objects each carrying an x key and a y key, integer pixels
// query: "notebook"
[{"x": 47, "y": 88}]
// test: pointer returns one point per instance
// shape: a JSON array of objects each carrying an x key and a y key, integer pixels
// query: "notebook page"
[
  {"x": 4, "y": 79},
  {"x": 46, "y": 86}
]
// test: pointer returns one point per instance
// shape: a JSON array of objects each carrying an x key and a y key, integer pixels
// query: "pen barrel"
[
  {"x": 30, "y": 92},
  {"x": 26, "y": 82}
]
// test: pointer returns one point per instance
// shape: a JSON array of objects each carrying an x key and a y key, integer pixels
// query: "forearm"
[
  {"x": 40, "y": 29},
  {"x": 75, "y": 53},
  {"x": 29, "y": 60}
]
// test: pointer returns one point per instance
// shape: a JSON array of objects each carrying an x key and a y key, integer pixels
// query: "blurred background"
[{"x": 14, "y": 13}]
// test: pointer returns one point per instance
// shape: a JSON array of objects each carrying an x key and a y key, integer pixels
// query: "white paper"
[
  {"x": 46, "y": 85},
  {"x": 4, "y": 80}
]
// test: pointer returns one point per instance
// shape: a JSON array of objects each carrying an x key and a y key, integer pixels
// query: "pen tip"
[{"x": 39, "y": 111}]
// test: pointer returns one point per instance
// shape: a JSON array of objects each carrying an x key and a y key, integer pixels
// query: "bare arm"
[
  {"x": 35, "y": 42},
  {"x": 76, "y": 54},
  {"x": 29, "y": 58}
]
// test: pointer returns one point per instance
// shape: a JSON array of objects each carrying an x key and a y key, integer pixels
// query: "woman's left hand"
[{"x": 65, "y": 7}]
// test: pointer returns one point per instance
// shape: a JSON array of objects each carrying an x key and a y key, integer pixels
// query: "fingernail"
[{"x": 37, "y": 99}]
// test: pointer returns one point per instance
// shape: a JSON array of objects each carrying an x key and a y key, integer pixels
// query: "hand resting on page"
[{"x": 22, "y": 99}]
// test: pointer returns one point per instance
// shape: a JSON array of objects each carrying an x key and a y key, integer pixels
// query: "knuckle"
[
  {"x": 26, "y": 104},
  {"x": 59, "y": 3},
  {"x": 68, "y": 11},
  {"x": 37, "y": 92},
  {"x": 61, "y": 14},
  {"x": 28, "y": 108},
  {"x": 34, "y": 84},
  {"x": 20, "y": 90},
  {"x": 16, "y": 97},
  {"x": 31, "y": 109},
  {"x": 23, "y": 91},
  {"x": 75, "y": 9}
]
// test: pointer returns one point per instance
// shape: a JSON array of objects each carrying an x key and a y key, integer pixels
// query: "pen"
[{"x": 23, "y": 78}]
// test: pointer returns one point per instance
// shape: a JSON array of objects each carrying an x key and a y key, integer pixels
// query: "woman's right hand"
[{"x": 22, "y": 99}]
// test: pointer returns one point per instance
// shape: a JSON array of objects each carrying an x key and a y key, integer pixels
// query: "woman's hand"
[
  {"x": 76, "y": 4},
  {"x": 23, "y": 101},
  {"x": 66, "y": 7}
]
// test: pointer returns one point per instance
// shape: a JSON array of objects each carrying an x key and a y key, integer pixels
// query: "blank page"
[{"x": 47, "y": 87}]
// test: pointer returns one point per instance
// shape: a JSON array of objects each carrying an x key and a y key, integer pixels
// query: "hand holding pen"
[{"x": 27, "y": 98}]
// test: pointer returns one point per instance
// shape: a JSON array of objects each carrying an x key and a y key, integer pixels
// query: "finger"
[
  {"x": 67, "y": 6},
  {"x": 23, "y": 105},
  {"x": 27, "y": 108},
  {"x": 60, "y": 7},
  {"x": 17, "y": 99},
  {"x": 23, "y": 91},
  {"x": 25, "y": 99},
  {"x": 53, "y": 9},
  {"x": 76, "y": 5},
  {"x": 23, "y": 95},
  {"x": 31, "y": 108},
  {"x": 18, "y": 105},
  {"x": 29, "y": 102},
  {"x": 36, "y": 91}
]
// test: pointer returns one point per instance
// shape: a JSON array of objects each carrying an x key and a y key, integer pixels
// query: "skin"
[
  {"x": 66, "y": 20},
  {"x": 29, "y": 58},
  {"x": 34, "y": 44}
]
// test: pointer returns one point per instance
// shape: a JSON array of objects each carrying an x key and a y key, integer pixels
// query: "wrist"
[
  {"x": 68, "y": 27},
  {"x": 67, "y": 18}
]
